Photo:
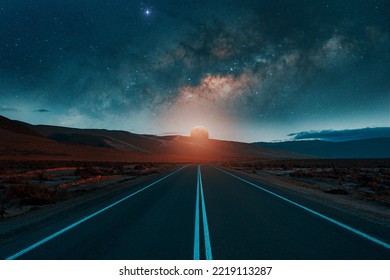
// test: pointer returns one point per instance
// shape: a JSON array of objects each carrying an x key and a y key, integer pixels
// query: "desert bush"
[
  {"x": 339, "y": 171},
  {"x": 298, "y": 173},
  {"x": 287, "y": 166},
  {"x": 367, "y": 178},
  {"x": 132, "y": 173},
  {"x": 336, "y": 191},
  {"x": 43, "y": 176},
  {"x": 139, "y": 167},
  {"x": 119, "y": 169},
  {"x": 3, "y": 211},
  {"x": 15, "y": 179},
  {"x": 33, "y": 194},
  {"x": 87, "y": 172},
  {"x": 373, "y": 185}
]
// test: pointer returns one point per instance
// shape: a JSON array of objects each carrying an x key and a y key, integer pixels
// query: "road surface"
[{"x": 204, "y": 212}]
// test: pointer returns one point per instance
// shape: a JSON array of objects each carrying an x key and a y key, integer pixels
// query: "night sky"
[{"x": 246, "y": 70}]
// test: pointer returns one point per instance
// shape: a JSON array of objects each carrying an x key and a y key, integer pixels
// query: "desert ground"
[
  {"x": 360, "y": 186},
  {"x": 31, "y": 185}
]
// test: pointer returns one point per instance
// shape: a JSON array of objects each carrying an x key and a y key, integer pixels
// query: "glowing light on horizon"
[{"x": 199, "y": 132}]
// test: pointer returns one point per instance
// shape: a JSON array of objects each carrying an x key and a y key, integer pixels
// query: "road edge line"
[
  {"x": 54, "y": 235},
  {"x": 340, "y": 224}
]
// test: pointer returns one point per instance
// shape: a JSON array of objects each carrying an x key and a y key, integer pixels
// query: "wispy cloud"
[
  {"x": 169, "y": 133},
  {"x": 8, "y": 109}
]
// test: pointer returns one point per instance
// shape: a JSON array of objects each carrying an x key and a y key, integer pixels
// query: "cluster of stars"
[{"x": 234, "y": 62}]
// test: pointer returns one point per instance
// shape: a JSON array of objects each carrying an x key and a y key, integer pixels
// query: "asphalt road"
[{"x": 203, "y": 212}]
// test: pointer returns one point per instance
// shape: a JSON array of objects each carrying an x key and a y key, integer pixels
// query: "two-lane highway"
[{"x": 202, "y": 212}]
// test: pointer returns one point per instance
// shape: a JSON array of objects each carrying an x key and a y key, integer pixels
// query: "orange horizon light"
[{"x": 199, "y": 132}]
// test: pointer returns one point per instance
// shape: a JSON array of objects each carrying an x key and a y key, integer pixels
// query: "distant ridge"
[
  {"x": 17, "y": 127},
  {"x": 18, "y": 141},
  {"x": 364, "y": 148},
  {"x": 38, "y": 138},
  {"x": 152, "y": 144},
  {"x": 22, "y": 140}
]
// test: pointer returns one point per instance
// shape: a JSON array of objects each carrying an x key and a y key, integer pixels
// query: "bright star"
[{"x": 148, "y": 12}]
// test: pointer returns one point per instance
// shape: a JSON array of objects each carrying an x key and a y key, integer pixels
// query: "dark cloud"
[
  {"x": 343, "y": 135},
  {"x": 42, "y": 111}
]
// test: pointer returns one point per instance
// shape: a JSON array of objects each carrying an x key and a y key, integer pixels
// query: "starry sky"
[{"x": 247, "y": 70}]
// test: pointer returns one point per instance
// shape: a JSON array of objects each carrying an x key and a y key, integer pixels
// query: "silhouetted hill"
[
  {"x": 18, "y": 141},
  {"x": 116, "y": 139},
  {"x": 79, "y": 139},
  {"x": 152, "y": 144},
  {"x": 365, "y": 148},
  {"x": 44, "y": 141},
  {"x": 16, "y": 127}
]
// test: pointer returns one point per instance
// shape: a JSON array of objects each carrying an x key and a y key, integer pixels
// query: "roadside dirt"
[
  {"x": 346, "y": 197},
  {"x": 80, "y": 194}
]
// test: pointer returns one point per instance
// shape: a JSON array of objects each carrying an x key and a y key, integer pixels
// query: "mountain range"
[
  {"x": 24, "y": 141},
  {"x": 362, "y": 148}
]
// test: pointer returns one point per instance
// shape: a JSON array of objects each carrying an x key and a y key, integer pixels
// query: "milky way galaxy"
[{"x": 246, "y": 70}]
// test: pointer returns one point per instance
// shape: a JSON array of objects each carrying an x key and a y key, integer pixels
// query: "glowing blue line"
[
  {"x": 207, "y": 242},
  {"x": 196, "y": 233},
  {"x": 362, "y": 234},
  {"x": 54, "y": 235}
]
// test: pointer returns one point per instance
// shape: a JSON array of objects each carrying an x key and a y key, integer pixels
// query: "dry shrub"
[
  {"x": 299, "y": 173},
  {"x": 43, "y": 176},
  {"x": 139, "y": 167},
  {"x": 336, "y": 191},
  {"x": 3, "y": 211},
  {"x": 373, "y": 185},
  {"x": 33, "y": 194},
  {"x": 15, "y": 179},
  {"x": 87, "y": 172}
]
